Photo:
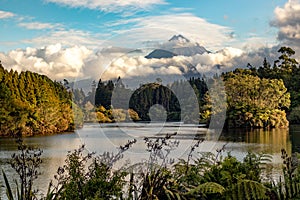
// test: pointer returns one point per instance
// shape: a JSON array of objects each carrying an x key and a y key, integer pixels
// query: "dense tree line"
[
  {"x": 155, "y": 93},
  {"x": 33, "y": 104},
  {"x": 110, "y": 99}
]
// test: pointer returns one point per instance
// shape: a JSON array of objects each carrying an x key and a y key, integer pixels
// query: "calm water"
[{"x": 108, "y": 137}]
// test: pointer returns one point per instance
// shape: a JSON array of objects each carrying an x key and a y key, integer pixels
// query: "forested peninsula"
[
  {"x": 267, "y": 96},
  {"x": 32, "y": 104}
]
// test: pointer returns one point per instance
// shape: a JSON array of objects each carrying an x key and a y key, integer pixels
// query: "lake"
[{"x": 108, "y": 137}]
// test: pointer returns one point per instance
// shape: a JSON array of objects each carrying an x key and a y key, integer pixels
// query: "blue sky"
[
  {"x": 61, "y": 38},
  {"x": 244, "y": 19}
]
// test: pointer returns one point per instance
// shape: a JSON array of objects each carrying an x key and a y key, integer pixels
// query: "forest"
[
  {"x": 33, "y": 104},
  {"x": 267, "y": 96}
]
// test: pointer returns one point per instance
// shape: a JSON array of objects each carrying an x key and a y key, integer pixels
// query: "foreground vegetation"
[{"x": 199, "y": 176}]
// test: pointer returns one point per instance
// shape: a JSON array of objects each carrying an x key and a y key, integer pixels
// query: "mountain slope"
[{"x": 160, "y": 53}]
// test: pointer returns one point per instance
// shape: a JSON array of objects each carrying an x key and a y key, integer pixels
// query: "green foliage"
[
  {"x": 255, "y": 102},
  {"x": 154, "y": 93},
  {"x": 207, "y": 188},
  {"x": 158, "y": 181},
  {"x": 294, "y": 116},
  {"x": 78, "y": 116},
  {"x": 213, "y": 177},
  {"x": 248, "y": 190},
  {"x": 285, "y": 68},
  {"x": 214, "y": 103},
  {"x": 289, "y": 187},
  {"x": 146, "y": 96},
  {"x": 85, "y": 176},
  {"x": 33, "y": 104},
  {"x": 104, "y": 93},
  {"x": 158, "y": 184}
]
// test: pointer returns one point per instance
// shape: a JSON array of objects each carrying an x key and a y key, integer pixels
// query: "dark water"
[{"x": 108, "y": 137}]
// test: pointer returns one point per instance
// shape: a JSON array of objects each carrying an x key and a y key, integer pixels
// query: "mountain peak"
[
  {"x": 178, "y": 45},
  {"x": 179, "y": 38}
]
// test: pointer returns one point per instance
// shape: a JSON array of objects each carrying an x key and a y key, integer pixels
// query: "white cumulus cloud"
[
  {"x": 5, "y": 14},
  {"x": 53, "y": 60},
  {"x": 287, "y": 20}
]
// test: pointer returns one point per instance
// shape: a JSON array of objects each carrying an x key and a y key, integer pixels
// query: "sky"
[{"x": 79, "y": 39}]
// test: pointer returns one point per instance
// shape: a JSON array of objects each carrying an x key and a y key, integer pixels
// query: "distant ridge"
[{"x": 160, "y": 53}]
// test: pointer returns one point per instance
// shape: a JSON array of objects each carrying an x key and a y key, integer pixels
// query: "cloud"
[
  {"x": 116, "y": 6},
  {"x": 67, "y": 38},
  {"x": 79, "y": 62},
  {"x": 160, "y": 28},
  {"x": 287, "y": 20},
  {"x": 181, "y": 9},
  {"x": 127, "y": 66},
  {"x": 4, "y": 14},
  {"x": 53, "y": 60},
  {"x": 38, "y": 25},
  {"x": 254, "y": 42},
  {"x": 255, "y": 58},
  {"x": 226, "y": 59}
]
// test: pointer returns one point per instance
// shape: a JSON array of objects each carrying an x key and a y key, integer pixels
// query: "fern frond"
[
  {"x": 207, "y": 188},
  {"x": 249, "y": 189}
]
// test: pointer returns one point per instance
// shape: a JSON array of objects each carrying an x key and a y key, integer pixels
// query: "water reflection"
[
  {"x": 295, "y": 138},
  {"x": 259, "y": 140}
]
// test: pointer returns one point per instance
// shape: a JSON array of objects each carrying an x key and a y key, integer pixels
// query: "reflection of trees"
[
  {"x": 295, "y": 138},
  {"x": 269, "y": 141},
  {"x": 272, "y": 140}
]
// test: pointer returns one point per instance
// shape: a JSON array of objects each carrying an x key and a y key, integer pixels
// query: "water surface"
[{"x": 108, "y": 137}]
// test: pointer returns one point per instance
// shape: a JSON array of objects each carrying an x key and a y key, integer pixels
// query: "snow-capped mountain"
[
  {"x": 179, "y": 38},
  {"x": 177, "y": 45}
]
